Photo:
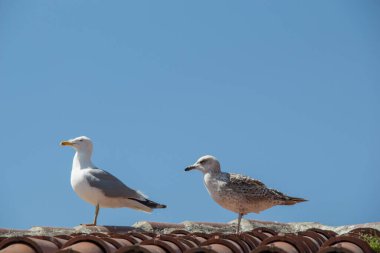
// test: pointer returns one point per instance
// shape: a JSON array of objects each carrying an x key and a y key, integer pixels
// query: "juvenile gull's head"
[
  {"x": 81, "y": 144},
  {"x": 206, "y": 164}
]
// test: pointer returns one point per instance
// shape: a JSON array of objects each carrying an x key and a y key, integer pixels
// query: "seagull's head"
[
  {"x": 206, "y": 164},
  {"x": 81, "y": 143}
]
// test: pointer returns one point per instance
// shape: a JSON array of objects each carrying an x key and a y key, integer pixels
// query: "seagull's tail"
[
  {"x": 149, "y": 203},
  {"x": 293, "y": 200}
]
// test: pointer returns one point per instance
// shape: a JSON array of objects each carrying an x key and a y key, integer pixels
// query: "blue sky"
[{"x": 283, "y": 91}]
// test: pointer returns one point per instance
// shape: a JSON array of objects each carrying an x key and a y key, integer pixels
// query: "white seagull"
[
  {"x": 99, "y": 187},
  {"x": 238, "y": 193}
]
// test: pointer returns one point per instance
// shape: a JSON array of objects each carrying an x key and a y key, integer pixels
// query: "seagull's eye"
[{"x": 81, "y": 140}]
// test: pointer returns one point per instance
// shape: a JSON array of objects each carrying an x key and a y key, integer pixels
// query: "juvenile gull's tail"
[{"x": 293, "y": 200}]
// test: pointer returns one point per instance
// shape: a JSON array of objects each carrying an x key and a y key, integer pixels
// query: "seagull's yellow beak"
[{"x": 66, "y": 143}]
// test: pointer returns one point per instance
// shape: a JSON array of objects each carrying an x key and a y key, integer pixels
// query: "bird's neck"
[
  {"x": 213, "y": 173},
  {"x": 82, "y": 160}
]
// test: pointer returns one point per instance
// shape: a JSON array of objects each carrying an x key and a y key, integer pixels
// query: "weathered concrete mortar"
[
  {"x": 203, "y": 227},
  {"x": 248, "y": 225}
]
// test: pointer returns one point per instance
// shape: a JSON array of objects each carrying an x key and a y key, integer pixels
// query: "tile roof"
[{"x": 113, "y": 239}]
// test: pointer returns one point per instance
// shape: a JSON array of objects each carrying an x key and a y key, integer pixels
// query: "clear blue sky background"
[{"x": 283, "y": 91}]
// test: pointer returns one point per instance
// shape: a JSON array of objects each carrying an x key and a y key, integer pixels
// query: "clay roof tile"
[{"x": 114, "y": 239}]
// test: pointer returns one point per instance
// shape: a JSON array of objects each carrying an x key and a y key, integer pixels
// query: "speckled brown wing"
[
  {"x": 238, "y": 179},
  {"x": 247, "y": 187},
  {"x": 253, "y": 188}
]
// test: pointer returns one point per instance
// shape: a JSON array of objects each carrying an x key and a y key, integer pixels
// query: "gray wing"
[{"x": 111, "y": 186}]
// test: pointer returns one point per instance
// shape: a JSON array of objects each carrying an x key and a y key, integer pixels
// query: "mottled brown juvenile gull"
[
  {"x": 238, "y": 193},
  {"x": 99, "y": 187}
]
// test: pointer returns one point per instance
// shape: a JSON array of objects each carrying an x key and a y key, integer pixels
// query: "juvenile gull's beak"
[
  {"x": 191, "y": 167},
  {"x": 66, "y": 143}
]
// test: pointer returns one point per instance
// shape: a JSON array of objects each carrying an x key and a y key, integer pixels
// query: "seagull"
[
  {"x": 99, "y": 187},
  {"x": 238, "y": 193}
]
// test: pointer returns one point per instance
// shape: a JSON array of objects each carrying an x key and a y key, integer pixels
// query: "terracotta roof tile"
[
  {"x": 367, "y": 231},
  {"x": 346, "y": 244},
  {"x": 89, "y": 243},
  {"x": 34, "y": 245},
  {"x": 111, "y": 239}
]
